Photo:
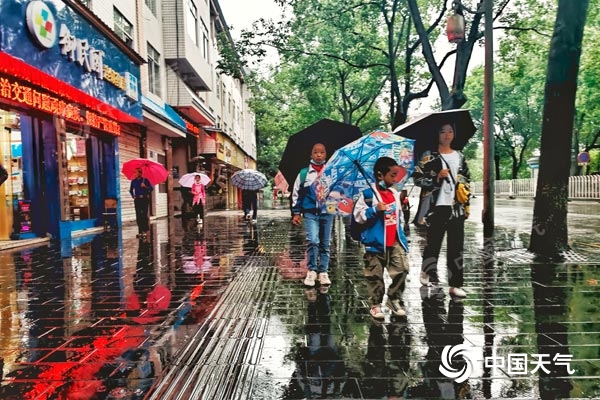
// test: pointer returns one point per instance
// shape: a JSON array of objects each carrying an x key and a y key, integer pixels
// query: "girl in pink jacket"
[{"x": 199, "y": 200}]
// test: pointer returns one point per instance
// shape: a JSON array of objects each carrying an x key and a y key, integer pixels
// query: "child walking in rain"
[
  {"x": 318, "y": 224},
  {"x": 198, "y": 202},
  {"x": 385, "y": 243}
]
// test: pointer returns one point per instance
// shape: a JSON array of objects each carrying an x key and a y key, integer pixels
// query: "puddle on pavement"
[{"x": 103, "y": 319}]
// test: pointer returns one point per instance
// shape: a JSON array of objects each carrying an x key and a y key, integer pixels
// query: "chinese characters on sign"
[
  {"x": 81, "y": 52},
  {"x": 15, "y": 91}
]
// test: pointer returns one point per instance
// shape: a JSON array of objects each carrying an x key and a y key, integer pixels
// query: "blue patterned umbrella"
[
  {"x": 350, "y": 169},
  {"x": 249, "y": 179}
]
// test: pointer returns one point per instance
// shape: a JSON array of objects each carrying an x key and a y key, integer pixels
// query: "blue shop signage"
[{"x": 55, "y": 39}]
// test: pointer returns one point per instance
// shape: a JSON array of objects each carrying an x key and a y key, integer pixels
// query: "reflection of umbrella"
[
  {"x": 158, "y": 298},
  {"x": 299, "y": 146},
  {"x": 350, "y": 168},
  {"x": 249, "y": 179},
  {"x": 155, "y": 172},
  {"x": 424, "y": 129},
  {"x": 188, "y": 180}
]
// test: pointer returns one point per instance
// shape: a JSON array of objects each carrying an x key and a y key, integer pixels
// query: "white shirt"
[{"x": 446, "y": 196}]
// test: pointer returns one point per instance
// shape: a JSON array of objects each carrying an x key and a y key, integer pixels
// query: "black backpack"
[
  {"x": 3, "y": 174},
  {"x": 356, "y": 229}
]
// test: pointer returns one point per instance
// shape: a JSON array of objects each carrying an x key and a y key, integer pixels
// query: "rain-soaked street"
[{"x": 221, "y": 313}]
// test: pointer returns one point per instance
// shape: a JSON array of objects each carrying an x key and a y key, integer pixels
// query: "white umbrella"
[{"x": 188, "y": 180}]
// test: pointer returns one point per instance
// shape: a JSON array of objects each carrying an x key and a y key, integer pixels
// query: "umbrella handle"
[{"x": 364, "y": 174}]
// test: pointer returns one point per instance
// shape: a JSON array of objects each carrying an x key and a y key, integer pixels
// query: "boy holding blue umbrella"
[{"x": 380, "y": 208}]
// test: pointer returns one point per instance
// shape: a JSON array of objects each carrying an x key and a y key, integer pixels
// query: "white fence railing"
[{"x": 580, "y": 187}]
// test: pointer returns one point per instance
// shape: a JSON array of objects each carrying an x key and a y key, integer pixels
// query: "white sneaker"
[
  {"x": 324, "y": 279},
  {"x": 376, "y": 312},
  {"x": 424, "y": 278},
  {"x": 457, "y": 292},
  {"x": 310, "y": 278},
  {"x": 396, "y": 308}
]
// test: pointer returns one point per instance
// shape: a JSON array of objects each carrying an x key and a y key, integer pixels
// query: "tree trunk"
[{"x": 549, "y": 234}]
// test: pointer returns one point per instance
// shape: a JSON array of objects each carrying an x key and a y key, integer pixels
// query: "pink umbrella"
[{"x": 155, "y": 172}]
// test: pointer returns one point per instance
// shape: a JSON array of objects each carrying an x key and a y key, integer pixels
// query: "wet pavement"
[{"x": 220, "y": 313}]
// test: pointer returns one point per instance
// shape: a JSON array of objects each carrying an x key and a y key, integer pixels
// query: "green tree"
[
  {"x": 587, "y": 129},
  {"x": 549, "y": 235}
]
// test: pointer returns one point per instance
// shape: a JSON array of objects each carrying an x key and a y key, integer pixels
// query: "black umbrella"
[
  {"x": 331, "y": 133},
  {"x": 424, "y": 129}
]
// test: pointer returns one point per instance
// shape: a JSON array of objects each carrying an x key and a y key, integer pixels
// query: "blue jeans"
[{"x": 318, "y": 236}]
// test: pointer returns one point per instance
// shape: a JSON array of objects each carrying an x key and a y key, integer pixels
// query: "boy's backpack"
[
  {"x": 355, "y": 228},
  {"x": 303, "y": 173},
  {"x": 3, "y": 174}
]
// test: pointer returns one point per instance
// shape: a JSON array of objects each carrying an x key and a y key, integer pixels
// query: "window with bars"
[
  {"x": 153, "y": 70},
  {"x": 123, "y": 28}
]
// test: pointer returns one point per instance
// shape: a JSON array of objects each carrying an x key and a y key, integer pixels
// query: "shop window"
[
  {"x": 15, "y": 210},
  {"x": 77, "y": 177}
]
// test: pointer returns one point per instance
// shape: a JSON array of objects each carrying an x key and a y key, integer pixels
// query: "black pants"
[
  {"x": 440, "y": 223},
  {"x": 250, "y": 203},
  {"x": 141, "y": 213}
]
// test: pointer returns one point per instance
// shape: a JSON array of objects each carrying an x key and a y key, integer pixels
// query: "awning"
[{"x": 166, "y": 113}]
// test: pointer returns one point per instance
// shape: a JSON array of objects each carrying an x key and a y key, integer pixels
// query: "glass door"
[{"x": 14, "y": 209}]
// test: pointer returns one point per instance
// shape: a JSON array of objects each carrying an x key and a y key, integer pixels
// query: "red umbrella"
[{"x": 155, "y": 172}]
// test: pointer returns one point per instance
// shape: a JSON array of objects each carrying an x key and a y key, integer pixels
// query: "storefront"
[
  {"x": 68, "y": 91},
  {"x": 229, "y": 159}
]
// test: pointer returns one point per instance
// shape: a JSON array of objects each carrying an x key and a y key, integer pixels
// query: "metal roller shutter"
[
  {"x": 155, "y": 149},
  {"x": 129, "y": 148}
]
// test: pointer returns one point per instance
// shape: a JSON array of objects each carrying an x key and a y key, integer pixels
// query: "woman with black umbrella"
[{"x": 441, "y": 172}]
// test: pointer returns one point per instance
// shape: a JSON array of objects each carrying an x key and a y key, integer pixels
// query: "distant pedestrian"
[
  {"x": 250, "y": 204},
  {"x": 385, "y": 243},
  {"x": 140, "y": 189},
  {"x": 318, "y": 224},
  {"x": 199, "y": 199},
  {"x": 440, "y": 173}
]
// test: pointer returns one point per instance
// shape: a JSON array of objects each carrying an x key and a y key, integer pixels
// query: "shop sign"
[
  {"x": 191, "y": 127},
  {"x": 18, "y": 92},
  {"x": 57, "y": 40}
]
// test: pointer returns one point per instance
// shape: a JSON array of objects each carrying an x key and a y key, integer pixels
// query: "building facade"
[
  {"x": 69, "y": 88},
  {"x": 194, "y": 118},
  {"x": 88, "y": 85}
]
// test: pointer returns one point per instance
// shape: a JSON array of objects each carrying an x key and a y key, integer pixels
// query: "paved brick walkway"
[{"x": 221, "y": 313}]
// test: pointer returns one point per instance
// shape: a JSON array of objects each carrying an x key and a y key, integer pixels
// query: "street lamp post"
[
  {"x": 488, "y": 127},
  {"x": 455, "y": 30}
]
